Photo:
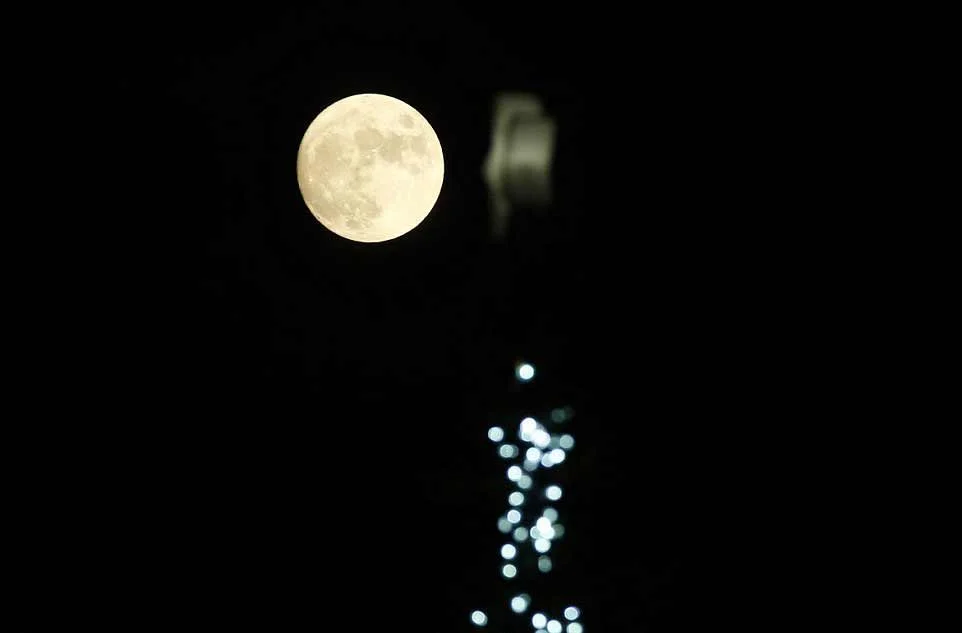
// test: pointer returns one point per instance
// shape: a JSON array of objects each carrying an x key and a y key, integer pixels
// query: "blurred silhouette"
[{"x": 517, "y": 169}]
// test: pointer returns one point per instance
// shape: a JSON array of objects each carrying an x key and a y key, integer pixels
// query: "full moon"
[{"x": 370, "y": 168}]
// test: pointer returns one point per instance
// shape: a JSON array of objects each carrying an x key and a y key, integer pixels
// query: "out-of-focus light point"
[
  {"x": 566, "y": 442},
  {"x": 539, "y": 620},
  {"x": 495, "y": 434},
  {"x": 514, "y": 517},
  {"x": 547, "y": 532},
  {"x": 504, "y": 525},
  {"x": 509, "y": 571},
  {"x": 562, "y": 414},
  {"x": 554, "y": 626},
  {"x": 515, "y": 498},
  {"x": 528, "y": 425},
  {"x": 542, "y": 545},
  {"x": 479, "y": 618},
  {"x": 520, "y": 534},
  {"x": 519, "y": 604},
  {"x": 575, "y": 627},
  {"x": 508, "y": 551},
  {"x": 553, "y": 492},
  {"x": 507, "y": 451},
  {"x": 550, "y": 513},
  {"x": 525, "y": 372},
  {"x": 572, "y": 613},
  {"x": 540, "y": 438},
  {"x": 544, "y": 564}
]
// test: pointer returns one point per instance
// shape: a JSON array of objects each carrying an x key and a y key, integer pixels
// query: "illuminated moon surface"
[{"x": 370, "y": 168}]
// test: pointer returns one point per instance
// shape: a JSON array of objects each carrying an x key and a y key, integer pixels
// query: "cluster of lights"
[
  {"x": 541, "y": 622},
  {"x": 545, "y": 451}
]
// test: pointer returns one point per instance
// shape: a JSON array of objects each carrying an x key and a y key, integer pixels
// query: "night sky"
[{"x": 291, "y": 428}]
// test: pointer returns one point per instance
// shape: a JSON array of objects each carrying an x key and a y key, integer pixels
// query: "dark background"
[{"x": 273, "y": 425}]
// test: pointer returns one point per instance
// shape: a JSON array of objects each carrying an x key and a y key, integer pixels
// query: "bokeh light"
[
  {"x": 546, "y": 450},
  {"x": 525, "y": 372},
  {"x": 540, "y": 438},
  {"x": 507, "y": 451},
  {"x": 544, "y": 564},
  {"x": 528, "y": 426},
  {"x": 519, "y": 604}
]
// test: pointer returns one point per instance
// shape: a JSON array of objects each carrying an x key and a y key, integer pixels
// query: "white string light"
[
  {"x": 519, "y": 604},
  {"x": 545, "y": 451}
]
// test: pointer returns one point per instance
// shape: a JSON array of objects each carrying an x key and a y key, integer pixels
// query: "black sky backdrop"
[{"x": 285, "y": 428}]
